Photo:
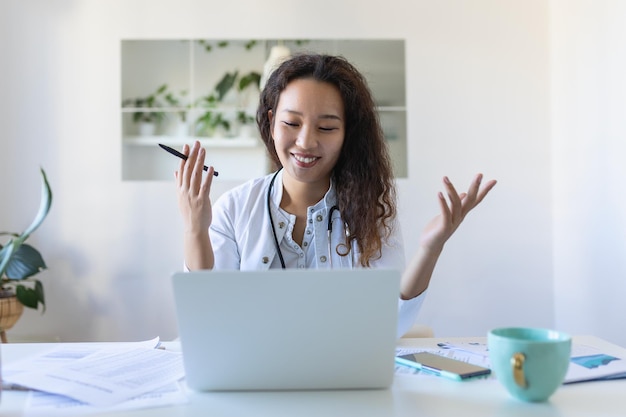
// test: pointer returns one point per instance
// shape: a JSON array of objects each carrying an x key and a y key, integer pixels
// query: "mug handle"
[{"x": 517, "y": 363}]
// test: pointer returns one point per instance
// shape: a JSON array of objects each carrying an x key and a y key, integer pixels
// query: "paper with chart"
[
  {"x": 474, "y": 357},
  {"x": 587, "y": 363}
]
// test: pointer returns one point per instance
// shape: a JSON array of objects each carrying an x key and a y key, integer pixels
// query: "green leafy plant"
[
  {"x": 210, "y": 121},
  {"x": 244, "y": 118},
  {"x": 225, "y": 84},
  {"x": 19, "y": 261},
  {"x": 213, "y": 119},
  {"x": 174, "y": 100},
  {"x": 250, "y": 79},
  {"x": 209, "y": 45},
  {"x": 145, "y": 104}
]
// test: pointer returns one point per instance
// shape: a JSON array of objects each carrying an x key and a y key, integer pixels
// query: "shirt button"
[
  {"x": 308, "y": 231},
  {"x": 322, "y": 258},
  {"x": 319, "y": 218},
  {"x": 305, "y": 244},
  {"x": 310, "y": 220},
  {"x": 281, "y": 225},
  {"x": 302, "y": 255},
  {"x": 265, "y": 259},
  {"x": 301, "y": 266}
]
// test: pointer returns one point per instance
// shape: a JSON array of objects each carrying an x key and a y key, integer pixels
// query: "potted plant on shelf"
[
  {"x": 246, "y": 124},
  {"x": 178, "y": 126},
  {"x": 144, "y": 113},
  {"x": 19, "y": 262}
]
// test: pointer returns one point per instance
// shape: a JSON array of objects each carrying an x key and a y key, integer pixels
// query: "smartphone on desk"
[{"x": 442, "y": 365}]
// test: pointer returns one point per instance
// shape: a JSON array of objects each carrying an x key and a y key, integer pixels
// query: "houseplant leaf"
[
  {"x": 225, "y": 84},
  {"x": 26, "y": 262},
  {"x": 44, "y": 206},
  {"x": 6, "y": 253},
  {"x": 30, "y": 297},
  {"x": 252, "y": 78},
  {"x": 40, "y": 296}
]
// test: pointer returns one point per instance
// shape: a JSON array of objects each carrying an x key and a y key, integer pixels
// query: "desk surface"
[{"x": 409, "y": 396}]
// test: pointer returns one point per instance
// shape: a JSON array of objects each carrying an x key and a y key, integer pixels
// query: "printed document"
[{"x": 105, "y": 377}]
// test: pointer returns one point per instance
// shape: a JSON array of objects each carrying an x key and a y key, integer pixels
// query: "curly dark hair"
[{"x": 363, "y": 175}]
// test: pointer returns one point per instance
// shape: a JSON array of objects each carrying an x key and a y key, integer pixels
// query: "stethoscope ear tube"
[
  {"x": 269, "y": 212},
  {"x": 330, "y": 221}
]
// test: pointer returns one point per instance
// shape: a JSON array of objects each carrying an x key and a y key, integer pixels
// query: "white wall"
[
  {"x": 478, "y": 100},
  {"x": 589, "y": 150}
]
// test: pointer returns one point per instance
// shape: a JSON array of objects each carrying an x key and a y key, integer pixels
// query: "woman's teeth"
[{"x": 306, "y": 160}]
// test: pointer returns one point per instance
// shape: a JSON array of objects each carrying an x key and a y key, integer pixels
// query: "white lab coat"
[{"x": 242, "y": 238}]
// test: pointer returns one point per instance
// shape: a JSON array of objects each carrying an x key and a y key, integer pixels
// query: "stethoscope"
[{"x": 329, "y": 229}]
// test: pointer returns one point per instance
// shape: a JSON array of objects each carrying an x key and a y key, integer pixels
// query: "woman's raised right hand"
[{"x": 193, "y": 190}]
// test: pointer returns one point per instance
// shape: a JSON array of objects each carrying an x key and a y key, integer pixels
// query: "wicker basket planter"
[{"x": 10, "y": 312}]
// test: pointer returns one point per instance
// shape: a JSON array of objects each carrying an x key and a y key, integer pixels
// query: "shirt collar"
[{"x": 329, "y": 200}]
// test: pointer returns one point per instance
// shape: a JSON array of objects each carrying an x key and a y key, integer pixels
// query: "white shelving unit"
[
  {"x": 172, "y": 141},
  {"x": 191, "y": 71}
]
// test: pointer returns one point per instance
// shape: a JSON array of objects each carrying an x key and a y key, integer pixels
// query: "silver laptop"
[{"x": 287, "y": 329}]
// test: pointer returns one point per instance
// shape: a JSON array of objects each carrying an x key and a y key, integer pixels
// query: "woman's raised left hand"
[{"x": 453, "y": 211}]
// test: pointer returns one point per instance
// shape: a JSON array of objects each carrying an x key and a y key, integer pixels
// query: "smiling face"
[{"x": 308, "y": 129}]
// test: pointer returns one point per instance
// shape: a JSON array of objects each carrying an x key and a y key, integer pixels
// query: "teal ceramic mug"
[{"x": 531, "y": 363}]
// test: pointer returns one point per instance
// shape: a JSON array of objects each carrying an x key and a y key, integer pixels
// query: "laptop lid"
[{"x": 287, "y": 329}]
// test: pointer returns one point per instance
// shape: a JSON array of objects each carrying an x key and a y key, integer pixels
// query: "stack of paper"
[{"x": 81, "y": 376}]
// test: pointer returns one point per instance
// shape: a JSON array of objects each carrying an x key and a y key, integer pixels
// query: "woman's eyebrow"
[{"x": 331, "y": 116}]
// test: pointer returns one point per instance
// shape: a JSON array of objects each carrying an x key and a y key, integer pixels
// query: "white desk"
[{"x": 409, "y": 396}]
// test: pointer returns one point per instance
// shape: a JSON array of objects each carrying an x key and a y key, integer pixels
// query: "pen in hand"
[{"x": 182, "y": 156}]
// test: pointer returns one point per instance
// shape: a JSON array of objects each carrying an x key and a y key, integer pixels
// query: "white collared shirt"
[{"x": 242, "y": 237}]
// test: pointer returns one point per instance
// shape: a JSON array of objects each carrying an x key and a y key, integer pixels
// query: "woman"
[{"x": 332, "y": 203}]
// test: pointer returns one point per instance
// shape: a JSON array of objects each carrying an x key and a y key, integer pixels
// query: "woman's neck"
[{"x": 297, "y": 196}]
